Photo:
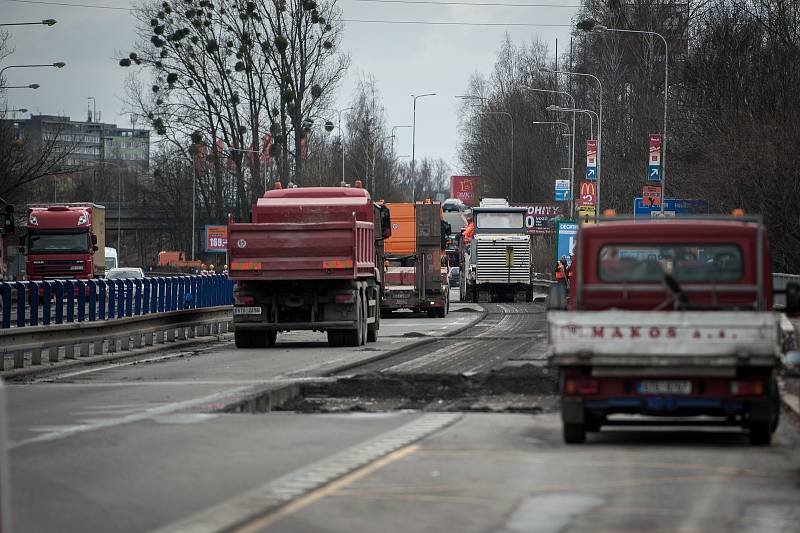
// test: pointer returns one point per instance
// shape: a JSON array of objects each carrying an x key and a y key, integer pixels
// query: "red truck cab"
[
  {"x": 60, "y": 243},
  {"x": 668, "y": 318}
]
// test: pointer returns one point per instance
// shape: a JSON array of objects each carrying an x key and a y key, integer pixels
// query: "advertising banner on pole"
[
  {"x": 587, "y": 194},
  {"x": 654, "y": 159},
  {"x": 540, "y": 217},
  {"x": 216, "y": 239},
  {"x": 652, "y": 195},
  {"x": 566, "y": 233},
  {"x": 587, "y": 214},
  {"x": 562, "y": 190},
  {"x": 591, "y": 160},
  {"x": 465, "y": 188}
]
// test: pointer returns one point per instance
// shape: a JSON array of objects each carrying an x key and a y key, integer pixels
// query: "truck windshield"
[
  {"x": 43, "y": 242},
  {"x": 684, "y": 262},
  {"x": 500, "y": 220}
]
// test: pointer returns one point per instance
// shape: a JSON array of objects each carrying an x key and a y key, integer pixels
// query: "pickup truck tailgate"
[{"x": 664, "y": 338}]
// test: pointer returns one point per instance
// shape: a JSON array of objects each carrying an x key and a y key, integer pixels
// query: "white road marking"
[{"x": 137, "y": 417}]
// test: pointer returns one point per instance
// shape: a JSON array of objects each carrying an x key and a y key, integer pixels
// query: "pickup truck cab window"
[{"x": 684, "y": 262}]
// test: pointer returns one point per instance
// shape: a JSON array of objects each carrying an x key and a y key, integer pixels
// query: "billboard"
[
  {"x": 465, "y": 188},
  {"x": 672, "y": 207},
  {"x": 539, "y": 218},
  {"x": 216, "y": 238},
  {"x": 566, "y": 233},
  {"x": 562, "y": 190}
]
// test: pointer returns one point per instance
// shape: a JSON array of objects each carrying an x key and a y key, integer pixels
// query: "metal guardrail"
[
  {"x": 30, "y": 303},
  {"x": 94, "y": 338}
]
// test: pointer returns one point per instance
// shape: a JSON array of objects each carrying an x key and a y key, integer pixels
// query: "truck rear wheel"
[
  {"x": 353, "y": 337},
  {"x": 372, "y": 329},
  {"x": 243, "y": 339},
  {"x": 574, "y": 433},
  {"x": 335, "y": 339}
]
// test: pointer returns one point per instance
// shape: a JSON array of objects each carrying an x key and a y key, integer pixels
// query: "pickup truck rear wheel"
[
  {"x": 574, "y": 433},
  {"x": 760, "y": 433}
]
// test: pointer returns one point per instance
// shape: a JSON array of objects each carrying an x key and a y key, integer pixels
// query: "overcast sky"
[{"x": 405, "y": 59}]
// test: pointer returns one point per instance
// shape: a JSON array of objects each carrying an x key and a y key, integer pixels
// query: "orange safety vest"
[
  {"x": 469, "y": 230},
  {"x": 559, "y": 271}
]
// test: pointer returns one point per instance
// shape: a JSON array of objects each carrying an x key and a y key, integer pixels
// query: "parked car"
[
  {"x": 454, "y": 204},
  {"x": 455, "y": 276},
  {"x": 125, "y": 273}
]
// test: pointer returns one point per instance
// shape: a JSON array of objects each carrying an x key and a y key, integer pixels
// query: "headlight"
[
  {"x": 33, "y": 221},
  {"x": 83, "y": 219}
]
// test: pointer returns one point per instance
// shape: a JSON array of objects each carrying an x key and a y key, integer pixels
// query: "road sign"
[
  {"x": 652, "y": 195},
  {"x": 562, "y": 190},
  {"x": 465, "y": 188},
  {"x": 588, "y": 194},
  {"x": 566, "y": 232},
  {"x": 587, "y": 214},
  {"x": 591, "y": 159},
  {"x": 654, "y": 159},
  {"x": 654, "y": 173},
  {"x": 216, "y": 238},
  {"x": 672, "y": 206}
]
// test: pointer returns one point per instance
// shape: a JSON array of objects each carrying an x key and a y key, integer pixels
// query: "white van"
[{"x": 111, "y": 258}]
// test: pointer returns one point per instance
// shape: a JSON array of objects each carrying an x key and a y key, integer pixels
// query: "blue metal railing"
[{"x": 31, "y": 303}]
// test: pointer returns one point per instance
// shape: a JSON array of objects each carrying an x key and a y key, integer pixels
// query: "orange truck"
[{"x": 416, "y": 269}]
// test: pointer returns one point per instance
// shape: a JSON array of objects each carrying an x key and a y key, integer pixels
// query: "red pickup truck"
[{"x": 669, "y": 318}]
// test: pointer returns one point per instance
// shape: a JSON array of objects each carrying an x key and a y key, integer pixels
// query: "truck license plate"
[
  {"x": 247, "y": 310},
  {"x": 665, "y": 387}
]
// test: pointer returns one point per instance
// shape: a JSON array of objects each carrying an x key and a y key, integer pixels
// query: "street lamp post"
[
  {"x": 341, "y": 138},
  {"x": 594, "y": 27},
  {"x": 45, "y": 22},
  {"x": 31, "y": 86},
  {"x": 588, "y": 112},
  {"x": 413, "y": 144},
  {"x": 510, "y": 118},
  {"x": 58, "y": 64},
  {"x": 599, "y": 121},
  {"x": 572, "y": 145}
]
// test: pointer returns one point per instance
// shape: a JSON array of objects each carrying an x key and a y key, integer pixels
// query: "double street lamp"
[
  {"x": 414, "y": 143},
  {"x": 588, "y": 112},
  {"x": 594, "y": 27}
]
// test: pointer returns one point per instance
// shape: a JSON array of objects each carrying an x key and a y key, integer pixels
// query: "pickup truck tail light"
[
  {"x": 581, "y": 386},
  {"x": 747, "y": 387}
]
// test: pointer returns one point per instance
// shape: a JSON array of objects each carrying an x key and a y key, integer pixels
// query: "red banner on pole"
[
  {"x": 655, "y": 150},
  {"x": 465, "y": 188},
  {"x": 587, "y": 193}
]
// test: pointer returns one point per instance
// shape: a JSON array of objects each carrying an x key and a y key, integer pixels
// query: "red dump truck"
[
  {"x": 669, "y": 318},
  {"x": 311, "y": 259}
]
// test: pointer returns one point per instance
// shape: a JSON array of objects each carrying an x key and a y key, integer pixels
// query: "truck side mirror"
[
  {"x": 386, "y": 221},
  {"x": 94, "y": 238},
  {"x": 792, "y": 298},
  {"x": 556, "y": 298}
]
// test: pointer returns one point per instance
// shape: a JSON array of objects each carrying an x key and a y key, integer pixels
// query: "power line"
[
  {"x": 449, "y": 23},
  {"x": 65, "y": 4},
  {"x": 453, "y": 3}
]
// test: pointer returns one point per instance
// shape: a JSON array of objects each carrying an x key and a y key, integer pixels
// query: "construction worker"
[
  {"x": 561, "y": 270},
  {"x": 469, "y": 231}
]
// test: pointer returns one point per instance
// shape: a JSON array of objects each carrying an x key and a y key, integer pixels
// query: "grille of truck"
[
  {"x": 57, "y": 267},
  {"x": 493, "y": 265}
]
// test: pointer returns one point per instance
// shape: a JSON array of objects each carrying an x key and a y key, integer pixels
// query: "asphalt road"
[{"x": 139, "y": 446}]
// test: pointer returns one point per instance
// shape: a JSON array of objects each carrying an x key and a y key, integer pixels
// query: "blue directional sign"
[
  {"x": 562, "y": 190},
  {"x": 566, "y": 233},
  {"x": 672, "y": 206},
  {"x": 591, "y": 173},
  {"x": 654, "y": 173}
]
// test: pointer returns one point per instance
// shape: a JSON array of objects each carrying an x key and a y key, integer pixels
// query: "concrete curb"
[
  {"x": 391, "y": 353},
  {"x": 16, "y": 374}
]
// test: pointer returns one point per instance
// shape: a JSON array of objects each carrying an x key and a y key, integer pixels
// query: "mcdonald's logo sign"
[{"x": 588, "y": 193}]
